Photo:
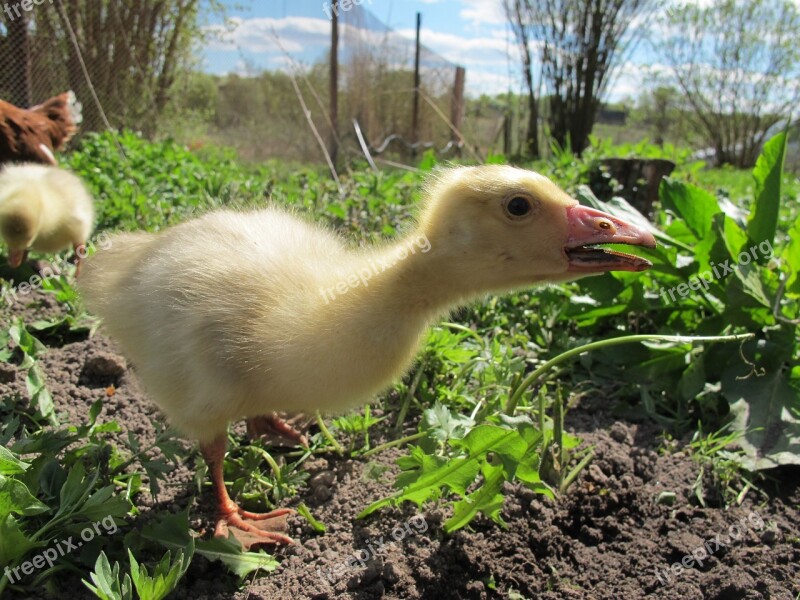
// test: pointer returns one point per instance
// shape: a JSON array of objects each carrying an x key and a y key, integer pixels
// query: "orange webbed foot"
[
  {"x": 273, "y": 425},
  {"x": 254, "y": 529}
]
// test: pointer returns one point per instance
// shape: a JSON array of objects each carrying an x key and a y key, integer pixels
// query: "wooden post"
[
  {"x": 415, "y": 113},
  {"x": 457, "y": 106},
  {"x": 20, "y": 60},
  {"x": 334, "y": 82},
  {"x": 507, "y": 133}
]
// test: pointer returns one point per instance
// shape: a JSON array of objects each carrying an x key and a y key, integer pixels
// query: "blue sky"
[{"x": 472, "y": 33}]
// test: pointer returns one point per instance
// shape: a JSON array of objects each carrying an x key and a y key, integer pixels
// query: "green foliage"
[
  {"x": 493, "y": 452},
  {"x": 689, "y": 290},
  {"x": 357, "y": 424},
  {"x": 107, "y": 584},
  {"x": 305, "y": 512},
  {"x": 165, "y": 577},
  {"x": 719, "y": 480},
  {"x": 74, "y": 483},
  {"x": 173, "y": 532},
  {"x": 31, "y": 348},
  {"x": 477, "y": 404},
  {"x": 767, "y": 175}
]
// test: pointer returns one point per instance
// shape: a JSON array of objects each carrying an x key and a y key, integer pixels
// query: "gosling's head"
[
  {"x": 19, "y": 225},
  {"x": 503, "y": 227}
]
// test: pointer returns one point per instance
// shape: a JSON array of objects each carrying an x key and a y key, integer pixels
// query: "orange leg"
[
  {"x": 230, "y": 515},
  {"x": 272, "y": 423},
  {"x": 80, "y": 249}
]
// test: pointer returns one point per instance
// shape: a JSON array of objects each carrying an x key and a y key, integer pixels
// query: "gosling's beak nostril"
[{"x": 589, "y": 226}]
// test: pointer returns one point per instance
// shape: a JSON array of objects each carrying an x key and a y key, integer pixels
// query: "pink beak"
[{"x": 587, "y": 226}]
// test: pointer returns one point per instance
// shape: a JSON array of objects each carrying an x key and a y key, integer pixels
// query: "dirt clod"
[{"x": 103, "y": 365}]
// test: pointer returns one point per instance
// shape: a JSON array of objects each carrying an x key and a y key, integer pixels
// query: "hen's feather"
[{"x": 33, "y": 135}]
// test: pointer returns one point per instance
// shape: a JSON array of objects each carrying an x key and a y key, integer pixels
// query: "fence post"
[
  {"x": 457, "y": 106},
  {"x": 415, "y": 113},
  {"x": 507, "y": 133},
  {"x": 334, "y": 82}
]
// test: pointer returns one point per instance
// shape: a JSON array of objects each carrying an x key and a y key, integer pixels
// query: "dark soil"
[{"x": 608, "y": 537}]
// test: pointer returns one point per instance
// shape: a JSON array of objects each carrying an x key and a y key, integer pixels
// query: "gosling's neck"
[{"x": 408, "y": 279}]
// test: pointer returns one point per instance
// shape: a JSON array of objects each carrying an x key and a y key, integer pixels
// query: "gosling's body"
[
  {"x": 243, "y": 314},
  {"x": 227, "y": 317},
  {"x": 43, "y": 208}
]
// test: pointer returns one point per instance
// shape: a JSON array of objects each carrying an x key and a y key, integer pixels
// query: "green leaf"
[
  {"x": 40, "y": 397},
  {"x": 15, "y": 498},
  {"x": 5, "y": 351},
  {"x": 173, "y": 532},
  {"x": 460, "y": 472},
  {"x": 694, "y": 205},
  {"x": 305, "y": 512},
  {"x": 428, "y": 161},
  {"x": 10, "y": 464},
  {"x": 14, "y": 543},
  {"x": 507, "y": 444},
  {"x": 229, "y": 552},
  {"x": 166, "y": 574},
  {"x": 487, "y": 499},
  {"x": 734, "y": 236},
  {"x": 765, "y": 413},
  {"x": 752, "y": 284},
  {"x": 26, "y": 342},
  {"x": 107, "y": 585},
  {"x": 442, "y": 425},
  {"x": 104, "y": 504},
  {"x": 76, "y": 489},
  {"x": 693, "y": 380},
  {"x": 170, "y": 530},
  {"x": 792, "y": 257},
  {"x": 767, "y": 174}
]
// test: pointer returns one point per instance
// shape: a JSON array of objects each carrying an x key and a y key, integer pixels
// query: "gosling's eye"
[{"x": 518, "y": 206}]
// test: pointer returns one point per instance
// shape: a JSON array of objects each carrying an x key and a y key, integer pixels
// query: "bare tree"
[
  {"x": 581, "y": 45},
  {"x": 132, "y": 52},
  {"x": 738, "y": 65}
]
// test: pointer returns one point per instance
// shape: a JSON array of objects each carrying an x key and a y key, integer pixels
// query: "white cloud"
[
  {"x": 258, "y": 34},
  {"x": 487, "y": 82},
  {"x": 464, "y": 50},
  {"x": 483, "y": 12}
]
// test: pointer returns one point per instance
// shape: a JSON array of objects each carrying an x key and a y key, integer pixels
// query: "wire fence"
[{"x": 245, "y": 85}]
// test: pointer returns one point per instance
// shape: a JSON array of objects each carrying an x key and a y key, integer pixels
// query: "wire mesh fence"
[{"x": 133, "y": 65}]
